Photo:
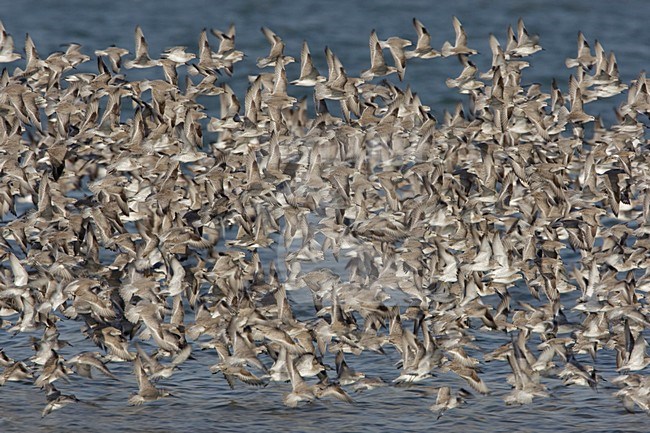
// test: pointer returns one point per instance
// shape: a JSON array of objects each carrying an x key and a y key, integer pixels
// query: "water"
[
  {"x": 345, "y": 27},
  {"x": 205, "y": 401}
]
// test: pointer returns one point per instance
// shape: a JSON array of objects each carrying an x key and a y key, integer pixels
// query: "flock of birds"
[{"x": 517, "y": 213}]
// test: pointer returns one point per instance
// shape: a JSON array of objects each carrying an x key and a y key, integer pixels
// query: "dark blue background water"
[
  {"x": 344, "y": 26},
  {"x": 205, "y": 402}
]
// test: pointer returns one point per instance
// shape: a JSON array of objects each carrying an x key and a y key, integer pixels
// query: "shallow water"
[{"x": 205, "y": 401}]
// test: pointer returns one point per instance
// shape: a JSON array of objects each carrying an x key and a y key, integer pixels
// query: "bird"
[
  {"x": 146, "y": 390},
  {"x": 445, "y": 401},
  {"x": 300, "y": 390},
  {"x": 7, "y": 54},
  {"x": 309, "y": 75},
  {"x": 56, "y": 400},
  {"x": 423, "y": 49},
  {"x": 460, "y": 44},
  {"x": 232, "y": 368},
  {"x": 277, "y": 50},
  {"x": 84, "y": 363},
  {"x": 396, "y": 47},
  {"x": 142, "y": 59},
  {"x": 378, "y": 66},
  {"x": 114, "y": 55},
  {"x": 523, "y": 45}
]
